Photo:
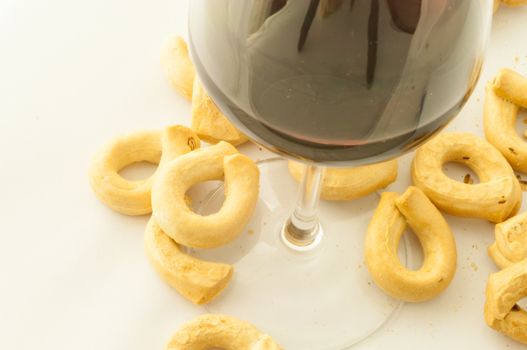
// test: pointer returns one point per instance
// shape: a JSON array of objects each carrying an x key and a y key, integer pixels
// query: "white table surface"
[{"x": 73, "y": 275}]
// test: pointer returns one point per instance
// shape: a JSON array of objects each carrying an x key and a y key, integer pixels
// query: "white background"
[{"x": 73, "y": 275}]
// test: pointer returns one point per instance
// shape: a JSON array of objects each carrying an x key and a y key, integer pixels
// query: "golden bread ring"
[
  {"x": 221, "y": 161},
  {"x": 504, "y": 289},
  {"x": 498, "y": 195},
  {"x": 350, "y": 183},
  {"x": 198, "y": 281},
  {"x": 178, "y": 66},
  {"x": 511, "y": 241},
  {"x": 496, "y": 5},
  {"x": 209, "y": 123},
  {"x": 514, "y": 2},
  {"x": 382, "y": 241},
  {"x": 220, "y": 331},
  {"x": 502, "y": 100},
  {"x": 207, "y": 120},
  {"x": 133, "y": 197}
]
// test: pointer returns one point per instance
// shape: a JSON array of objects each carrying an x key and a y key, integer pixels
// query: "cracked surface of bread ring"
[
  {"x": 511, "y": 241},
  {"x": 497, "y": 196},
  {"x": 382, "y": 242},
  {"x": 220, "y": 331},
  {"x": 197, "y": 280},
  {"x": 351, "y": 183},
  {"x": 133, "y": 197},
  {"x": 504, "y": 289},
  {"x": 221, "y": 161}
]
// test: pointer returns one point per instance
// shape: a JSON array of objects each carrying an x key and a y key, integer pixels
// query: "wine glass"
[{"x": 328, "y": 83}]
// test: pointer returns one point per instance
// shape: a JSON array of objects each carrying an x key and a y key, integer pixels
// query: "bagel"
[
  {"x": 350, "y": 183},
  {"x": 198, "y": 281},
  {"x": 382, "y": 242},
  {"x": 133, "y": 197},
  {"x": 220, "y": 331},
  {"x": 221, "y": 161},
  {"x": 504, "y": 289},
  {"x": 498, "y": 195}
]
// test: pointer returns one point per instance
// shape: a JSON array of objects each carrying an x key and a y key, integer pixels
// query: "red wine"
[{"x": 337, "y": 81}]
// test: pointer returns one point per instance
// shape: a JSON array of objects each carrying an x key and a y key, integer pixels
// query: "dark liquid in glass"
[{"x": 336, "y": 81}]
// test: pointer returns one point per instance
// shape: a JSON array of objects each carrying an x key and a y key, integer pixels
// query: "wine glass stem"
[{"x": 302, "y": 229}]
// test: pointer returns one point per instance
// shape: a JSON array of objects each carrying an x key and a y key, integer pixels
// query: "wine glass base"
[{"x": 320, "y": 298}]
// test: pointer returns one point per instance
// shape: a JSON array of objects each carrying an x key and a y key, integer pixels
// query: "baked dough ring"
[
  {"x": 207, "y": 120},
  {"x": 502, "y": 98},
  {"x": 350, "y": 183},
  {"x": 209, "y": 123},
  {"x": 198, "y": 281},
  {"x": 177, "y": 65},
  {"x": 496, "y": 5},
  {"x": 220, "y": 331},
  {"x": 504, "y": 289},
  {"x": 241, "y": 179},
  {"x": 133, "y": 197},
  {"x": 511, "y": 241},
  {"x": 382, "y": 241},
  {"x": 514, "y": 2},
  {"x": 497, "y": 196}
]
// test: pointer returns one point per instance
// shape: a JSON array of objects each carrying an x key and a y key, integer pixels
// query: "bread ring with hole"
[
  {"x": 207, "y": 120},
  {"x": 503, "y": 97},
  {"x": 382, "y": 242},
  {"x": 514, "y": 2},
  {"x": 498, "y": 195},
  {"x": 343, "y": 184},
  {"x": 511, "y": 241},
  {"x": 209, "y": 123},
  {"x": 220, "y": 331},
  {"x": 496, "y": 5},
  {"x": 178, "y": 67},
  {"x": 133, "y": 197},
  {"x": 221, "y": 161},
  {"x": 504, "y": 289},
  {"x": 197, "y": 280}
]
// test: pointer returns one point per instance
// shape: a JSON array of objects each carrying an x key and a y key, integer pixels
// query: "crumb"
[
  {"x": 468, "y": 179},
  {"x": 250, "y": 231},
  {"x": 516, "y": 59},
  {"x": 369, "y": 283},
  {"x": 474, "y": 266},
  {"x": 359, "y": 266},
  {"x": 512, "y": 150}
]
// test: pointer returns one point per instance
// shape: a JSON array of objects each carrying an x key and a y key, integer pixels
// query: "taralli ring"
[
  {"x": 219, "y": 331},
  {"x": 221, "y": 161},
  {"x": 207, "y": 120},
  {"x": 178, "y": 66},
  {"x": 504, "y": 289},
  {"x": 497, "y": 196},
  {"x": 351, "y": 183},
  {"x": 198, "y": 281},
  {"x": 133, "y": 197},
  {"x": 511, "y": 241},
  {"x": 382, "y": 242},
  {"x": 502, "y": 100},
  {"x": 514, "y": 2}
]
